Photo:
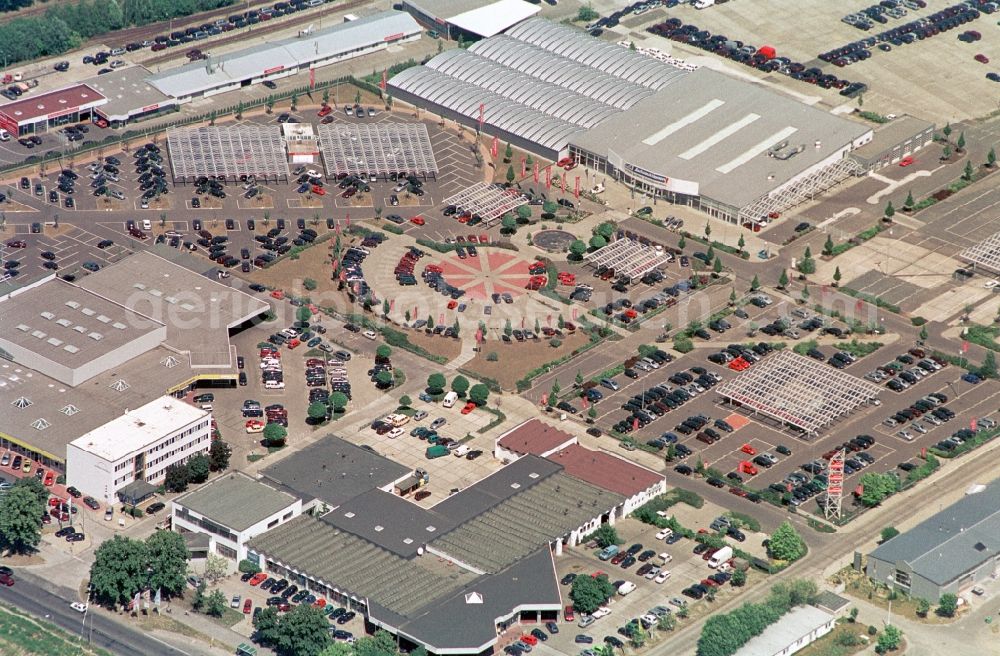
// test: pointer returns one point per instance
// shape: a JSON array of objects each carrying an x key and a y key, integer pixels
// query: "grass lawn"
[
  {"x": 21, "y": 635},
  {"x": 832, "y": 644},
  {"x": 229, "y": 618}
]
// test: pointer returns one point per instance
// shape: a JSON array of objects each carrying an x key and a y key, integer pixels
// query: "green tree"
[
  {"x": 578, "y": 379},
  {"x": 717, "y": 266},
  {"x": 683, "y": 344},
  {"x": 508, "y": 153},
  {"x": 837, "y": 275},
  {"x": 436, "y": 383},
  {"x": 576, "y": 250},
  {"x": 381, "y": 644},
  {"x": 386, "y": 306},
  {"x": 266, "y": 624},
  {"x": 118, "y": 570},
  {"x": 709, "y": 254},
  {"x": 556, "y": 387},
  {"x": 606, "y": 535},
  {"x": 199, "y": 466},
  {"x": 294, "y": 101},
  {"x": 168, "y": 560},
  {"x": 586, "y": 14},
  {"x": 877, "y": 487},
  {"x": 597, "y": 242},
  {"x": 755, "y": 283},
  {"x": 828, "y": 246},
  {"x": 524, "y": 212},
  {"x": 508, "y": 223},
  {"x": 946, "y": 152},
  {"x": 739, "y": 578},
  {"x": 588, "y": 592},
  {"x": 511, "y": 176},
  {"x": 338, "y": 401},
  {"x": 889, "y": 639},
  {"x": 342, "y": 648},
  {"x": 198, "y": 602},
  {"x": 303, "y": 314},
  {"x": 383, "y": 352},
  {"x": 560, "y": 322},
  {"x": 508, "y": 329},
  {"x": 20, "y": 523},
  {"x": 909, "y": 202},
  {"x": 991, "y": 158},
  {"x": 681, "y": 243},
  {"x": 304, "y": 631},
  {"x": 786, "y": 544},
  {"x": 310, "y": 285},
  {"x": 989, "y": 367},
  {"x": 947, "y": 605},
  {"x": 732, "y": 296},
  {"x": 783, "y": 279},
  {"x": 384, "y": 378},
  {"x": 947, "y": 130},
  {"x": 430, "y": 322},
  {"x": 923, "y": 607},
  {"x": 889, "y": 211},
  {"x": 888, "y": 533},
  {"x": 216, "y": 568},
  {"x": 176, "y": 478},
  {"x": 640, "y": 635},
  {"x": 246, "y": 566},
  {"x": 550, "y": 207},
  {"x": 215, "y": 603},
  {"x": 923, "y": 334},
  {"x": 274, "y": 435},
  {"x": 35, "y": 486},
  {"x": 460, "y": 385},
  {"x": 218, "y": 455},
  {"x": 479, "y": 393},
  {"x": 807, "y": 264},
  {"x": 741, "y": 243},
  {"x": 960, "y": 144},
  {"x": 316, "y": 412},
  {"x": 968, "y": 171},
  {"x": 592, "y": 413}
]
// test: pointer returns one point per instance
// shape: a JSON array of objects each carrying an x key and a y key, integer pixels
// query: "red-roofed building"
[
  {"x": 636, "y": 483},
  {"x": 532, "y": 437},
  {"x": 37, "y": 113}
]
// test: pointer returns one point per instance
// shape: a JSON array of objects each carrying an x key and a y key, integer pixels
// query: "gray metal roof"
[
  {"x": 251, "y": 62},
  {"x": 390, "y": 521},
  {"x": 236, "y": 501},
  {"x": 525, "y": 522},
  {"x": 951, "y": 543},
  {"x": 358, "y": 567},
  {"x": 789, "y": 630},
  {"x": 334, "y": 471},
  {"x": 717, "y": 131}
]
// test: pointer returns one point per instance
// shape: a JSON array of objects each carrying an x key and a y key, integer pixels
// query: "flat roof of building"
[
  {"x": 789, "y": 630},
  {"x": 269, "y": 59},
  {"x": 952, "y": 542},
  {"x": 491, "y": 19},
  {"x": 128, "y": 92},
  {"x": 33, "y": 108},
  {"x": 69, "y": 325},
  {"x": 892, "y": 134},
  {"x": 135, "y": 429},
  {"x": 197, "y": 310},
  {"x": 444, "y": 9},
  {"x": 717, "y": 132},
  {"x": 605, "y": 470},
  {"x": 334, "y": 471},
  {"x": 390, "y": 521},
  {"x": 236, "y": 501},
  {"x": 536, "y": 437}
]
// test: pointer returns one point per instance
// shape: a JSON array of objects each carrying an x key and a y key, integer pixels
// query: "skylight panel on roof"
[
  {"x": 47, "y": 315},
  {"x": 73, "y": 304}
]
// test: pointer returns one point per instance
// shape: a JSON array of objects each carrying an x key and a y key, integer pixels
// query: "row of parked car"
[
  {"x": 941, "y": 21},
  {"x": 962, "y": 435},
  {"x": 906, "y": 370},
  {"x": 881, "y": 13}
]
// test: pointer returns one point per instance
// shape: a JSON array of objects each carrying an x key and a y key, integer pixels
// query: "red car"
[
  {"x": 101, "y": 123},
  {"x": 982, "y": 59},
  {"x": 906, "y": 161},
  {"x": 568, "y": 614},
  {"x": 6, "y": 579},
  {"x": 17, "y": 243},
  {"x": 247, "y": 605},
  {"x": 452, "y": 304},
  {"x": 469, "y": 407},
  {"x": 484, "y": 239},
  {"x": 565, "y": 161},
  {"x": 50, "y": 479},
  {"x": 326, "y": 109},
  {"x": 319, "y": 191},
  {"x": 417, "y": 220},
  {"x": 529, "y": 639},
  {"x": 257, "y": 579},
  {"x": 746, "y": 448}
]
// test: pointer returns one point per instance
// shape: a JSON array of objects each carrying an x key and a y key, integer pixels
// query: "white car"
[
  {"x": 665, "y": 557},
  {"x": 990, "y": 284},
  {"x": 394, "y": 433},
  {"x": 603, "y": 611},
  {"x": 906, "y": 435},
  {"x": 662, "y": 576},
  {"x": 664, "y": 534},
  {"x": 79, "y": 606},
  {"x": 370, "y": 334},
  {"x": 461, "y": 451}
]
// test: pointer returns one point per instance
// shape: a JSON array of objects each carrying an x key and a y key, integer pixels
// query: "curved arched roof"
[{"x": 506, "y": 114}]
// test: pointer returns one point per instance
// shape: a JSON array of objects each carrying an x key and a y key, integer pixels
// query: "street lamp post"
[{"x": 888, "y": 617}]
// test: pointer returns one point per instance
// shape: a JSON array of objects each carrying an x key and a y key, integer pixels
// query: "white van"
[
  {"x": 450, "y": 399},
  {"x": 720, "y": 556}
]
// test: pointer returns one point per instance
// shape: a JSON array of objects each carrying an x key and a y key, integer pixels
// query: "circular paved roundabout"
[
  {"x": 493, "y": 271},
  {"x": 553, "y": 241}
]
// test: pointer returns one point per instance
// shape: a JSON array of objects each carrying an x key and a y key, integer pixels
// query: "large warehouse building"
[{"x": 734, "y": 149}]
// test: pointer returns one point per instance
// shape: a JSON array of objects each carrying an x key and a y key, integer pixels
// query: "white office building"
[
  {"x": 137, "y": 446},
  {"x": 231, "y": 510}
]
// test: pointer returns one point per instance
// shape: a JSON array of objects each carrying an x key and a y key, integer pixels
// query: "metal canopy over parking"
[
  {"x": 628, "y": 258},
  {"x": 798, "y": 391},
  {"x": 227, "y": 152},
  {"x": 985, "y": 254},
  {"x": 379, "y": 149},
  {"x": 489, "y": 201}
]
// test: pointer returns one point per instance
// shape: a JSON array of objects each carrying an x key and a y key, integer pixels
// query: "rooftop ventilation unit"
[
  {"x": 47, "y": 315},
  {"x": 69, "y": 348},
  {"x": 80, "y": 329},
  {"x": 73, "y": 304},
  {"x": 23, "y": 328},
  {"x": 118, "y": 325},
  {"x": 88, "y": 312},
  {"x": 54, "y": 342},
  {"x": 39, "y": 334},
  {"x": 65, "y": 323},
  {"x": 103, "y": 319},
  {"x": 139, "y": 285},
  {"x": 95, "y": 336}
]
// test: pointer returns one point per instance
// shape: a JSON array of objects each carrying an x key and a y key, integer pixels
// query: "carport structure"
[
  {"x": 985, "y": 254},
  {"x": 628, "y": 258},
  {"x": 379, "y": 149},
  {"x": 798, "y": 391},
  {"x": 227, "y": 152},
  {"x": 489, "y": 201}
]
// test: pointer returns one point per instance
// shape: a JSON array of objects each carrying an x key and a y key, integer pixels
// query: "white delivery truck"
[
  {"x": 703, "y": 4},
  {"x": 720, "y": 556}
]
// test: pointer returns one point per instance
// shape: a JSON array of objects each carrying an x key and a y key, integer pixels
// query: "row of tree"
[
  {"x": 478, "y": 393},
  {"x": 197, "y": 468},
  {"x": 65, "y": 26},
  {"x": 304, "y": 631},
  {"x": 123, "y": 566}
]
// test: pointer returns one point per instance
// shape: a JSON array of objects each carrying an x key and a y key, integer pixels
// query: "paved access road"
[{"x": 102, "y": 631}]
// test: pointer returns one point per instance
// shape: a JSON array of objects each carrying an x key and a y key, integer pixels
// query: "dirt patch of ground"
[
  {"x": 436, "y": 344},
  {"x": 314, "y": 262},
  {"x": 22, "y": 560},
  {"x": 518, "y": 358}
]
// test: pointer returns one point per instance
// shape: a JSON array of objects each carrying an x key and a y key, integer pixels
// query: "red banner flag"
[
  {"x": 965, "y": 347},
  {"x": 548, "y": 177},
  {"x": 479, "y": 336},
  {"x": 495, "y": 148},
  {"x": 348, "y": 220},
  {"x": 382, "y": 85},
  {"x": 576, "y": 187},
  {"x": 312, "y": 78},
  {"x": 564, "y": 184},
  {"x": 548, "y": 320},
  {"x": 858, "y": 306},
  {"x": 545, "y": 399},
  {"x": 441, "y": 318},
  {"x": 482, "y": 115},
  {"x": 338, "y": 228},
  {"x": 583, "y": 401},
  {"x": 523, "y": 170},
  {"x": 392, "y": 304},
  {"x": 574, "y": 314},
  {"x": 635, "y": 424},
  {"x": 972, "y": 424},
  {"x": 536, "y": 172}
]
